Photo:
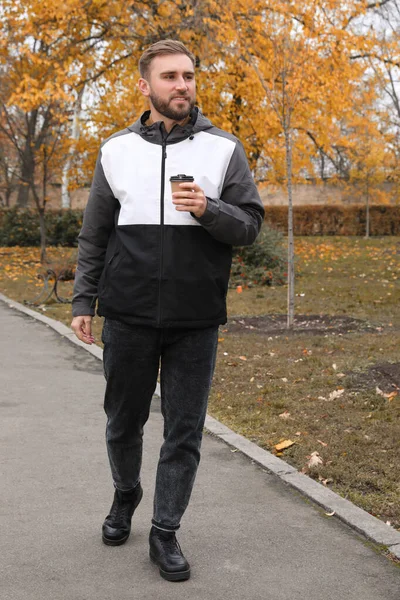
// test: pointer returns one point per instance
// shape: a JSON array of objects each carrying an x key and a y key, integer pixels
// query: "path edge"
[{"x": 358, "y": 519}]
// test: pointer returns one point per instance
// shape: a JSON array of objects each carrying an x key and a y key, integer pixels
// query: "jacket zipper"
[{"x": 163, "y": 157}]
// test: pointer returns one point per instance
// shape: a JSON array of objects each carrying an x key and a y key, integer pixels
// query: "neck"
[{"x": 155, "y": 116}]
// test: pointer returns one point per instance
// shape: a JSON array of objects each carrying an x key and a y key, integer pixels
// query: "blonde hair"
[{"x": 162, "y": 48}]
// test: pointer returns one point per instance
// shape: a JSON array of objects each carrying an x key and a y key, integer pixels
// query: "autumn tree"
[
  {"x": 9, "y": 170},
  {"x": 48, "y": 53},
  {"x": 301, "y": 78}
]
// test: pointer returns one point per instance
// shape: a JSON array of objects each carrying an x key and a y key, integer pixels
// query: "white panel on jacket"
[
  {"x": 206, "y": 158},
  {"x": 132, "y": 167}
]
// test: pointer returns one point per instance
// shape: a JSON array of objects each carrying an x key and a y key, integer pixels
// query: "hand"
[
  {"x": 191, "y": 199},
  {"x": 82, "y": 327}
]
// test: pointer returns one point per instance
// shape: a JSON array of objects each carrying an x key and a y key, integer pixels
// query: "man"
[{"x": 158, "y": 264}]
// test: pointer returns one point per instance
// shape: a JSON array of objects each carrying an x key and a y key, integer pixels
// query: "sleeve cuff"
[{"x": 210, "y": 214}]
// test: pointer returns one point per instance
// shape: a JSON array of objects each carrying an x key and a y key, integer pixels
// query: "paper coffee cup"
[{"x": 175, "y": 180}]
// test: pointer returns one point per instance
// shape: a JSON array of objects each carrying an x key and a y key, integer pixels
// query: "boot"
[
  {"x": 166, "y": 553},
  {"x": 117, "y": 525}
]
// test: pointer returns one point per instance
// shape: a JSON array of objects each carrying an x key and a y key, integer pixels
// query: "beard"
[{"x": 168, "y": 111}]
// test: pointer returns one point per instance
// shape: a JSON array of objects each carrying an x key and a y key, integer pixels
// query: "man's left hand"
[{"x": 191, "y": 199}]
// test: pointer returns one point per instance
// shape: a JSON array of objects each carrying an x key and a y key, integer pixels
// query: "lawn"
[{"x": 329, "y": 389}]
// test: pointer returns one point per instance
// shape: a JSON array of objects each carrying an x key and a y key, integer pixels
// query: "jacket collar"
[{"x": 156, "y": 132}]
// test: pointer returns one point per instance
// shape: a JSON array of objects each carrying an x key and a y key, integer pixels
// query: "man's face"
[{"x": 171, "y": 86}]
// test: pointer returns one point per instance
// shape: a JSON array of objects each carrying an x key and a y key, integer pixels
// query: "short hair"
[{"x": 162, "y": 48}]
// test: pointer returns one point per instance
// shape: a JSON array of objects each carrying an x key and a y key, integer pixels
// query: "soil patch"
[
  {"x": 310, "y": 324},
  {"x": 384, "y": 375}
]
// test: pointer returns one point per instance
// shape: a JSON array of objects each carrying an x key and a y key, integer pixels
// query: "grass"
[{"x": 273, "y": 386}]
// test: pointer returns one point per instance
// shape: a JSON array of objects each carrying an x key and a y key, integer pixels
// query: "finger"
[
  {"x": 189, "y": 185},
  {"x": 87, "y": 327},
  {"x": 83, "y": 330},
  {"x": 187, "y": 194},
  {"x": 87, "y": 339},
  {"x": 186, "y": 202},
  {"x": 187, "y": 208}
]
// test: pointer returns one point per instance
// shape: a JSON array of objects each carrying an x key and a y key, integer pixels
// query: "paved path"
[{"x": 247, "y": 535}]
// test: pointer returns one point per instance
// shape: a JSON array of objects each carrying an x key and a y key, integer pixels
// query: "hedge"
[
  {"x": 335, "y": 219},
  {"x": 20, "y": 227}
]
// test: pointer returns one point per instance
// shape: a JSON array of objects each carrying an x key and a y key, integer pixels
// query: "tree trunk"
[
  {"x": 42, "y": 225},
  {"x": 290, "y": 275},
  {"x": 27, "y": 165},
  {"x": 65, "y": 196},
  {"x": 23, "y": 187},
  {"x": 367, "y": 216}
]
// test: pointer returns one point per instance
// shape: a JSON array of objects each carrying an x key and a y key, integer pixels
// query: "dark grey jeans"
[{"x": 132, "y": 355}]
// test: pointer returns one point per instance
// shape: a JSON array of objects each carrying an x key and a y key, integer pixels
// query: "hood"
[{"x": 156, "y": 133}]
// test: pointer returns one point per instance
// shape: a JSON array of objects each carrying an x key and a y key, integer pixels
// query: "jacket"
[{"x": 145, "y": 262}]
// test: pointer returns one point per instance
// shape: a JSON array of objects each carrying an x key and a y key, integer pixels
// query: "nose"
[{"x": 181, "y": 84}]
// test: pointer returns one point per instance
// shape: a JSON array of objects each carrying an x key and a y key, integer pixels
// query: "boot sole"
[
  {"x": 174, "y": 576},
  {"x": 111, "y": 542}
]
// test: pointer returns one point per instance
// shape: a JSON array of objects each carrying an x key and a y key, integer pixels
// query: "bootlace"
[
  {"x": 169, "y": 542},
  {"x": 120, "y": 510}
]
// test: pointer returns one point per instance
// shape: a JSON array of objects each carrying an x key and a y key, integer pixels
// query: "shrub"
[
  {"x": 335, "y": 219},
  {"x": 20, "y": 227},
  {"x": 65, "y": 227},
  {"x": 263, "y": 263}
]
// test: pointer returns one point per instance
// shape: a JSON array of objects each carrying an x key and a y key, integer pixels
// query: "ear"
[{"x": 144, "y": 87}]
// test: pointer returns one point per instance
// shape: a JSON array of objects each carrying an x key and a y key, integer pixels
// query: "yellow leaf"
[{"x": 283, "y": 445}]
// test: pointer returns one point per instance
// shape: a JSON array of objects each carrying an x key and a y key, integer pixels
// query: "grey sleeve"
[
  {"x": 236, "y": 217},
  {"x": 98, "y": 223}
]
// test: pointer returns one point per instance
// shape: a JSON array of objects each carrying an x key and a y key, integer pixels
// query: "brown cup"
[{"x": 175, "y": 180}]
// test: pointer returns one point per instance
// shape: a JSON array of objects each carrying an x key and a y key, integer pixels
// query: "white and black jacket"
[{"x": 145, "y": 262}]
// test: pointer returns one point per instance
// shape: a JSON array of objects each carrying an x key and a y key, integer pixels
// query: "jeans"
[{"x": 132, "y": 355}]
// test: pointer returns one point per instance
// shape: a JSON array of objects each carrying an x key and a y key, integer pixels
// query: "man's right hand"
[{"x": 82, "y": 327}]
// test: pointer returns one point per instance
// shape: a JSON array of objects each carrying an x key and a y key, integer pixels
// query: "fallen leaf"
[
  {"x": 242, "y": 358},
  {"x": 314, "y": 460},
  {"x": 283, "y": 445},
  {"x": 389, "y": 396},
  {"x": 285, "y": 415},
  {"x": 325, "y": 481},
  {"x": 335, "y": 394},
  {"x": 334, "y": 367},
  {"x": 322, "y": 443},
  {"x": 221, "y": 339}
]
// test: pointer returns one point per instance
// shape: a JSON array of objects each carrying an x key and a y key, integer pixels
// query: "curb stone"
[{"x": 356, "y": 518}]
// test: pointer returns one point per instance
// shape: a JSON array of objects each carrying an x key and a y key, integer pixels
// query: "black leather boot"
[
  {"x": 117, "y": 525},
  {"x": 166, "y": 553}
]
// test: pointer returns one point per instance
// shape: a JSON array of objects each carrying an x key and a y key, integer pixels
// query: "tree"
[{"x": 301, "y": 58}]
